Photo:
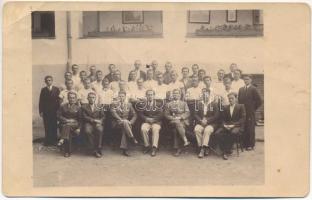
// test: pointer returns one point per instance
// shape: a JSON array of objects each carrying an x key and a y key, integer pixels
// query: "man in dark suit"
[
  {"x": 178, "y": 113},
  {"x": 93, "y": 119},
  {"x": 232, "y": 123},
  {"x": 233, "y": 67},
  {"x": 250, "y": 97},
  {"x": 69, "y": 116},
  {"x": 139, "y": 73},
  {"x": 48, "y": 106},
  {"x": 124, "y": 117},
  {"x": 110, "y": 76},
  {"x": 150, "y": 112},
  {"x": 207, "y": 120}
]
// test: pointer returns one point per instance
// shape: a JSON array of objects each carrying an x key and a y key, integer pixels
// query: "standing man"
[
  {"x": 132, "y": 80},
  {"x": 92, "y": 74},
  {"x": 64, "y": 93},
  {"x": 48, "y": 106},
  {"x": 237, "y": 81},
  {"x": 69, "y": 117},
  {"x": 194, "y": 92},
  {"x": 151, "y": 114},
  {"x": 219, "y": 85},
  {"x": 186, "y": 80},
  {"x": 115, "y": 83},
  {"x": 83, "y": 76},
  {"x": 93, "y": 117},
  {"x": 161, "y": 90},
  {"x": 233, "y": 67},
  {"x": 177, "y": 113},
  {"x": 195, "y": 69},
  {"x": 83, "y": 93},
  {"x": 167, "y": 74},
  {"x": 154, "y": 67},
  {"x": 232, "y": 123},
  {"x": 97, "y": 84},
  {"x": 250, "y": 97},
  {"x": 139, "y": 92},
  {"x": 150, "y": 83},
  {"x": 67, "y": 76},
  {"x": 139, "y": 73},
  {"x": 75, "y": 74},
  {"x": 124, "y": 117},
  {"x": 110, "y": 75},
  {"x": 175, "y": 84},
  {"x": 207, "y": 119},
  {"x": 223, "y": 94}
]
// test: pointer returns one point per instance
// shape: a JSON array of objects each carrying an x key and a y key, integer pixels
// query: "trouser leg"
[
  {"x": 155, "y": 134},
  {"x": 144, "y": 131},
  {"x": 181, "y": 131},
  {"x": 98, "y": 137},
  {"x": 124, "y": 142},
  {"x": 206, "y": 135},
  {"x": 198, "y": 130},
  {"x": 127, "y": 129}
]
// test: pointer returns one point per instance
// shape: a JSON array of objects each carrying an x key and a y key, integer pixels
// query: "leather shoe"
[
  {"x": 97, "y": 154},
  {"x": 178, "y": 153},
  {"x": 153, "y": 151},
  {"x": 249, "y": 148},
  {"x": 126, "y": 153},
  {"x": 186, "y": 144},
  {"x": 146, "y": 150},
  {"x": 201, "y": 153},
  {"x": 134, "y": 141},
  {"x": 207, "y": 151},
  {"x": 66, "y": 155},
  {"x": 225, "y": 157}
]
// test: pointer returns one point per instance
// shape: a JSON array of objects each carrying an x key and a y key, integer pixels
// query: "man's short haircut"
[
  {"x": 176, "y": 90},
  {"x": 122, "y": 92},
  {"x": 86, "y": 79},
  {"x": 201, "y": 70},
  {"x": 98, "y": 71},
  {"x": 226, "y": 79},
  {"x": 68, "y": 73},
  {"x": 110, "y": 65},
  {"x": 221, "y": 70},
  {"x": 205, "y": 77},
  {"x": 92, "y": 66},
  {"x": 232, "y": 94},
  {"x": 247, "y": 75},
  {"x": 74, "y": 65},
  {"x": 149, "y": 90},
  {"x": 67, "y": 81},
  {"x": 91, "y": 93},
  {"x": 71, "y": 93},
  {"x": 105, "y": 80},
  {"x": 183, "y": 68},
  {"x": 195, "y": 65},
  {"x": 82, "y": 72},
  {"x": 48, "y": 76},
  {"x": 140, "y": 79}
]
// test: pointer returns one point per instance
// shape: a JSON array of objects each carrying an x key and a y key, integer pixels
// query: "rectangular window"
[
  {"x": 42, "y": 24},
  {"x": 122, "y": 24}
]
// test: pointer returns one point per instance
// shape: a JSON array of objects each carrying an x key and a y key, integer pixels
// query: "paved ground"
[{"x": 52, "y": 169}]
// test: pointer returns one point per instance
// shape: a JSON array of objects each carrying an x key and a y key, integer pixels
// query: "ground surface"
[{"x": 81, "y": 169}]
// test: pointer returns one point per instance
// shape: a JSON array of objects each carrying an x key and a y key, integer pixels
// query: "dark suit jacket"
[
  {"x": 127, "y": 112},
  {"x": 154, "y": 111},
  {"x": 250, "y": 98},
  {"x": 142, "y": 75},
  {"x": 212, "y": 115},
  {"x": 69, "y": 112},
  {"x": 49, "y": 100},
  {"x": 89, "y": 116},
  {"x": 110, "y": 77},
  {"x": 177, "y": 109},
  {"x": 238, "y": 118}
]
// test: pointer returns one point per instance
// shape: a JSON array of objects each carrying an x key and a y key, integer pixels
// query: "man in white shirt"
[
  {"x": 194, "y": 92},
  {"x": 227, "y": 89},
  {"x": 92, "y": 74},
  {"x": 138, "y": 73},
  {"x": 64, "y": 93},
  {"x": 175, "y": 84},
  {"x": 67, "y": 76},
  {"x": 218, "y": 84},
  {"x": 80, "y": 84},
  {"x": 207, "y": 84},
  {"x": 139, "y": 93},
  {"x": 132, "y": 81},
  {"x": 195, "y": 69},
  {"x": 233, "y": 67},
  {"x": 106, "y": 95},
  {"x": 75, "y": 74},
  {"x": 237, "y": 81},
  {"x": 83, "y": 93},
  {"x": 186, "y": 80},
  {"x": 115, "y": 83},
  {"x": 97, "y": 85},
  {"x": 154, "y": 67},
  {"x": 150, "y": 83},
  {"x": 161, "y": 89}
]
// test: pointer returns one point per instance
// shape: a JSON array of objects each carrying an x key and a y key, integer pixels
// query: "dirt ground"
[{"x": 52, "y": 169}]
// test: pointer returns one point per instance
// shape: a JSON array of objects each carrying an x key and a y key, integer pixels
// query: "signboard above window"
[{"x": 122, "y": 24}]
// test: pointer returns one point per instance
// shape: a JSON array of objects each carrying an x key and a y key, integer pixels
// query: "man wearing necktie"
[
  {"x": 93, "y": 117},
  {"x": 48, "y": 105},
  {"x": 250, "y": 97},
  {"x": 232, "y": 123},
  {"x": 177, "y": 113},
  {"x": 150, "y": 111},
  {"x": 207, "y": 120},
  {"x": 124, "y": 117}
]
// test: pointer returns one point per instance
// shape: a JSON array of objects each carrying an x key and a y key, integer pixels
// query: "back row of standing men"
[{"x": 107, "y": 89}]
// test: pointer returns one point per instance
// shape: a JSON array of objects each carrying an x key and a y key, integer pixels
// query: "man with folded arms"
[
  {"x": 177, "y": 113},
  {"x": 69, "y": 118},
  {"x": 232, "y": 123},
  {"x": 93, "y": 117},
  {"x": 124, "y": 117},
  {"x": 151, "y": 114},
  {"x": 207, "y": 118}
]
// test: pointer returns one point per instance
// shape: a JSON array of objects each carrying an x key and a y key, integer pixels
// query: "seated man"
[
  {"x": 233, "y": 119},
  {"x": 207, "y": 118},
  {"x": 69, "y": 116},
  {"x": 124, "y": 117},
  {"x": 177, "y": 113},
  {"x": 151, "y": 114},
  {"x": 93, "y": 117}
]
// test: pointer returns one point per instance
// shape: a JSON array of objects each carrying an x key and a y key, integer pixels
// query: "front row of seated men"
[{"x": 214, "y": 125}]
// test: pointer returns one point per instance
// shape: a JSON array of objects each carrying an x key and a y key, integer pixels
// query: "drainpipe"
[{"x": 69, "y": 41}]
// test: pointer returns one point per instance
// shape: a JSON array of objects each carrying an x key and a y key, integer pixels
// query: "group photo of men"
[{"x": 155, "y": 106}]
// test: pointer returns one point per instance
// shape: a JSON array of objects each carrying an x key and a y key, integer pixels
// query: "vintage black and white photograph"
[{"x": 117, "y": 101}]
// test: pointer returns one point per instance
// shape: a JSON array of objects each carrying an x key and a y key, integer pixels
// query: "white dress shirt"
[
  {"x": 193, "y": 93},
  {"x": 97, "y": 86},
  {"x": 237, "y": 84},
  {"x": 105, "y": 96},
  {"x": 83, "y": 94},
  {"x": 232, "y": 109},
  {"x": 150, "y": 84},
  {"x": 161, "y": 91},
  {"x": 64, "y": 95}
]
